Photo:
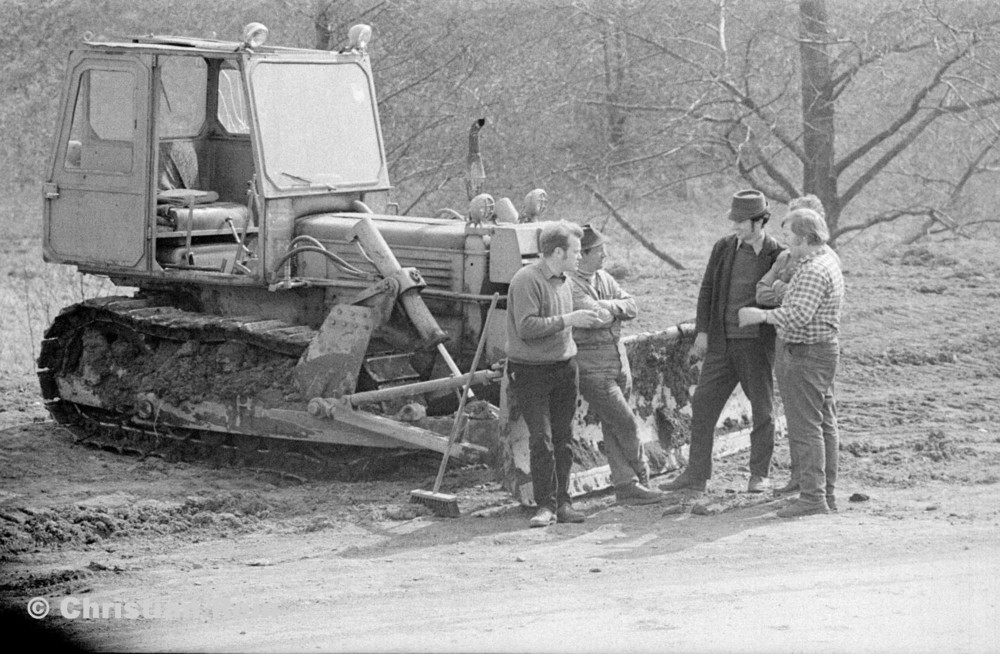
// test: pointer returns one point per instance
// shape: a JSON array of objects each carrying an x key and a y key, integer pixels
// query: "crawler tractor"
[{"x": 275, "y": 311}]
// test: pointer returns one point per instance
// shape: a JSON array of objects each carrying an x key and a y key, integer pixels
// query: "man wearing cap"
[
  {"x": 733, "y": 354},
  {"x": 605, "y": 376}
]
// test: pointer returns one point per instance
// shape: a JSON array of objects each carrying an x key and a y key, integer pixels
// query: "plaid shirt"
[{"x": 810, "y": 311}]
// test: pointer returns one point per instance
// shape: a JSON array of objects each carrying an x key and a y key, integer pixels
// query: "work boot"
[
  {"x": 684, "y": 481},
  {"x": 566, "y": 513},
  {"x": 543, "y": 517},
  {"x": 636, "y": 493},
  {"x": 758, "y": 484},
  {"x": 791, "y": 487},
  {"x": 800, "y": 508}
]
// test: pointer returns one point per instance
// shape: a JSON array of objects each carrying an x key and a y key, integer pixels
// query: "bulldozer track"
[{"x": 145, "y": 327}]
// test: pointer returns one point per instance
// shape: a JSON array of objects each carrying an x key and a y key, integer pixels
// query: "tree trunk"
[
  {"x": 817, "y": 109},
  {"x": 613, "y": 42},
  {"x": 321, "y": 22}
]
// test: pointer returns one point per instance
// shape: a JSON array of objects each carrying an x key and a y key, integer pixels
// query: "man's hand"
[
  {"x": 784, "y": 266},
  {"x": 782, "y": 260},
  {"x": 585, "y": 318},
  {"x": 700, "y": 346},
  {"x": 778, "y": 288},
  {"x": 751, "y": 316},
  {"x": 606, "y": 316}
]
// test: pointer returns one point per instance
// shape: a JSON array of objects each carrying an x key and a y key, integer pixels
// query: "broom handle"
[{"x": 465, "y": 394}]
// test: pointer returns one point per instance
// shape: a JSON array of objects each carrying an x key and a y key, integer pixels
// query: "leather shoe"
[
  {"x": 684, "y": 481},
  {"x": 636, "y": 493},
  {"x": 791, "y": 487},
  {"x": 800, "y": 508},
  {"x": 758, "y": 484},
  {"x": 543, "y": 517},
  {"x": 566, "y": 513},
  {"x": 831, "y": 503}
]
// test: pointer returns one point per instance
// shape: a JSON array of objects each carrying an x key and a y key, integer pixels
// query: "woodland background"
[{"x": 886, "y": 109}]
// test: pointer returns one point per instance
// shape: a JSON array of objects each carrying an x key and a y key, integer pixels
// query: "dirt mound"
[
  {"x": 915, "y": 460},
  {"x": 122, "y": 515},
  {"x": 920, "y": 256}
]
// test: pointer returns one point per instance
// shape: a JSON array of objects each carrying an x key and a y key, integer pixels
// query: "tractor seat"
[
  {"x": 180, "y": 206},
  {"x": 185, "y": 196},
  {"x": 180, "y": 210}
]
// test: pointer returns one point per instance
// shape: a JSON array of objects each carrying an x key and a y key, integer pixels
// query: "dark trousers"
[
  {"x": 749, "y": 363},
  {"x": 546, "y": 396}
]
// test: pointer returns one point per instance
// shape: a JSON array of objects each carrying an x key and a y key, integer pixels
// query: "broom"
[{"x": 443, "y": 504}]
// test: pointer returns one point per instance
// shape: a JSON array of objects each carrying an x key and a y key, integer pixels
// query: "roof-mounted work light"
[
  {"x": 254, "y": 35},
  {"x": 359, "y": 36}
]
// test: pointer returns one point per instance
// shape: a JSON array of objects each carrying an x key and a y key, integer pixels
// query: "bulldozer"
[{"x": 274, "y": 310}]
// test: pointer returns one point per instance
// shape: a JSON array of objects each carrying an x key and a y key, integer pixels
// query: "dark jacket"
[{"x": 715, "y": 288}]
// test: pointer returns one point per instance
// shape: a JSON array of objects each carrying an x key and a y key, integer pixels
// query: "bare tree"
[
  {"x": 885, "y": 110},
  {"x": 853, "y": 106}
]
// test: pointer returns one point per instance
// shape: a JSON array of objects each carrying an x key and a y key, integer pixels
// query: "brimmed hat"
[
  {"x": 748, "y": 205},
  {"x": 591, "y": 238}
]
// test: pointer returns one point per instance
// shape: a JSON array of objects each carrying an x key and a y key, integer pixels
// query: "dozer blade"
[
  {"x": 332, "y": 362},
  {"x": 662, "y": 384}
]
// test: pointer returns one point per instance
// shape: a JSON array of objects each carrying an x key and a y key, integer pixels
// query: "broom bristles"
[{"x": 442, "y": 504}]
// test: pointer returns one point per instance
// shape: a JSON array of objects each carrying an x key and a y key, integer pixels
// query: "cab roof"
[{"x": 186, "y": 44}]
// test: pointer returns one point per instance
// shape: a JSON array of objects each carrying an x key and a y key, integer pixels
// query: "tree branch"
[
  {"x": 907, "y": 116},
  {"x": 649, "y": 245}
]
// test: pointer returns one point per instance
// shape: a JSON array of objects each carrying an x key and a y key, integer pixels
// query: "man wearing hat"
[
  {"x": 605, "y": 376},
  {"x": 733, "y": 354}
]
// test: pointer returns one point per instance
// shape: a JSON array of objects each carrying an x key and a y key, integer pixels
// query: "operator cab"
[
  {"x": 194, "y": 133},
  {"x": 182, "y": 157}
]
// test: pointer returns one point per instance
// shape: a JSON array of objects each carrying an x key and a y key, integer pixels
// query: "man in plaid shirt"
[
  {"x": 806, "y": 357},
  {"x": 770, "y": 291}
]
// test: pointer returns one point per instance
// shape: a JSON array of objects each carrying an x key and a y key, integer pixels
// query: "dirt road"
[
  {"x": 223, "y": 560},
  {"x": 740, "y": 582}
]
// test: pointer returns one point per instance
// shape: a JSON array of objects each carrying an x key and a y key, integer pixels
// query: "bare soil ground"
[{"x": 196, "y": 558}]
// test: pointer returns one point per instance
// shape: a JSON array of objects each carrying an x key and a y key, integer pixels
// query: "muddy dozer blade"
[
  {"x": 332, "y": 362},
  {"x": 663, "y": 382}
]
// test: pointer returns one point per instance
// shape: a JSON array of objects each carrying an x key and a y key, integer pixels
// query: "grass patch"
[
  {"x": 33, "y": 292},
  {"x": 685, "y": 230}
]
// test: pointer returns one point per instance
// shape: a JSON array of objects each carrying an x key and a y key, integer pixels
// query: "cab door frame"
[{"x": 97, "y": 196}]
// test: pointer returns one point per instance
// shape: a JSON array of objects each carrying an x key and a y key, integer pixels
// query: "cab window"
[
  {"x": 183, "y": 83},
  {"x": 102, "y": 136},
  {"x": 232, "y": 113}
]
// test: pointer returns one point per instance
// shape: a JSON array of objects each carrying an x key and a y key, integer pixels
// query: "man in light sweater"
[{"x": 541, "y": 367}]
